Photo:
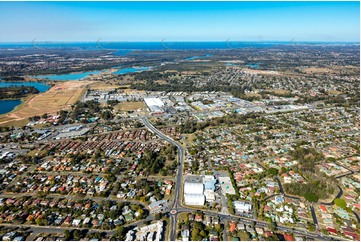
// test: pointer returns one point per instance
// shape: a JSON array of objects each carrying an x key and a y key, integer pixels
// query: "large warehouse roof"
[
  {"x": 151, "y": 101},
  {"x": 193, "y": 188},
  {"x": 194, "y": 199},
  {"x": 154, "y": 104}
]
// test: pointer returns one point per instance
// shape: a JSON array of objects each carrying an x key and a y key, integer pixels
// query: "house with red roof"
[
  {"x": 351, "y": 234},
  {"x": 232, "y": 226},
  {"x": 323, "y": 208},
  {"x": 288, "y": 237},
  {"x": 332, "y": 231},
  {"x": 268, "y": 233}
]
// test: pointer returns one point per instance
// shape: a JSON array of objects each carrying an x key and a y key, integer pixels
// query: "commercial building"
[
  {"x": 242, "y": 207},
  {"x": 158, "y": 206},
  {"x": 226, "y": 185}
]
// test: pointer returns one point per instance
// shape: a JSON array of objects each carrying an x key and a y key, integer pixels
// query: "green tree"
[
  {"x": 67, "y": 235},
  {"x": 272, "y": 171},
  {"x": 341, "y": 203},
  {"x": 311, "y": 197},
  {"x": 272, "y": 226}
]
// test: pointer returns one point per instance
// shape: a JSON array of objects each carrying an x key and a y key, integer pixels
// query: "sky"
[{"x": 179, "y": 21}]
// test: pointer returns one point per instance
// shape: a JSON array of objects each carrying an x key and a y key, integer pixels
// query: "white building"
[
  {"x": 193, "y": 188},
  {"x": 154, "y": 104},
  {"x": 193, "y": 194},
  {"x": 194, "y": 199},
  {"x": 242, "y": 207}
]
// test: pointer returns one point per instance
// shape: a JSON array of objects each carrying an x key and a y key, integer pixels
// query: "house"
[
  {"x": 76, "y": 222},
  {"x": 268, "y": 234},
  {"x": 86, "y": 220},
  {"x": 9, "y": 236},
  {"x": 67, "y": 220},
  {"x": 240, "y": 226},
  {"x": 207, "y": 220},
  {"x": 323, "y": 208},
  {"x": 288, "y": 237},
  {"x": 198, "y": 218},
  {"x": 351, "y": 234},
  {"x": 215, "y": 220},
  {"x": 19, "y": 238},
  {"x": 232, "y": 226},
  {"x": 332, "y": 231},
  {"x": 259, "y": 230}
]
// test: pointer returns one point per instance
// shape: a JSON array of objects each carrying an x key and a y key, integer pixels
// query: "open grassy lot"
[
  {"x": 34, "y": 153},
  {"x": 102, "y": 86},
  {"x": 278, "y": 91},
  {"x": 161, "y": 82},
  {"x": 60, "y": 96},
  {"x": 129, "y": 106},
  {"x": 252, "y": 94},
  {"x": 334, "y": 92}
]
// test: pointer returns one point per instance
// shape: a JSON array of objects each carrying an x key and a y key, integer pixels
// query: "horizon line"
[{"x": 178, "y": 41}]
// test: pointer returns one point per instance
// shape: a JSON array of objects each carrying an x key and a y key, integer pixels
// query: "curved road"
[{"x": 176, "y": 203}]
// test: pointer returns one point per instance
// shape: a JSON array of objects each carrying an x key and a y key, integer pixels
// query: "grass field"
[
  {"x": 278, "y": 91},
  {"x": 102, "y": 86},
  {"x": 334, "y": 92},
  {"x": 161, "y": 82},
  {"x": 252, "y": 94},
  {"x": 60, "y": 96},
  {"x": 129, "y": 106}
]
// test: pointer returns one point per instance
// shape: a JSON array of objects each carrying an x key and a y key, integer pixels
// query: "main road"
[{"x": 178, "y": 184}]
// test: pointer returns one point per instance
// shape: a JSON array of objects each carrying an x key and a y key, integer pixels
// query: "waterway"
[
  {"x": 69, "y": 76},
  {"x": 8, "y": 105},
  {"x": 132, "y": 69},
  {"x": 198, "y": 57},
  {"x": 42, "y": 87},
  {"x": 253, "y": 66}
]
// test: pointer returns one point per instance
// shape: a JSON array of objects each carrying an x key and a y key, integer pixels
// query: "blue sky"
[{"x": 179, "y": 21}]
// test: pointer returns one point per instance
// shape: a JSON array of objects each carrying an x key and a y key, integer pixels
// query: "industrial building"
[
  {"x": 193, "y": 188},
  {"x": 193, "y": 193},
  {"x": 154, "y": 104},
  {"x": 194, "y": 199}
]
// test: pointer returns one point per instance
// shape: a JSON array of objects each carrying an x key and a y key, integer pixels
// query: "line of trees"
[{"x": 16, "y": 91}]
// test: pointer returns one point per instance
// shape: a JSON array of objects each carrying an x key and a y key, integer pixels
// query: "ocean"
[{"x": 163, "y": 45}]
